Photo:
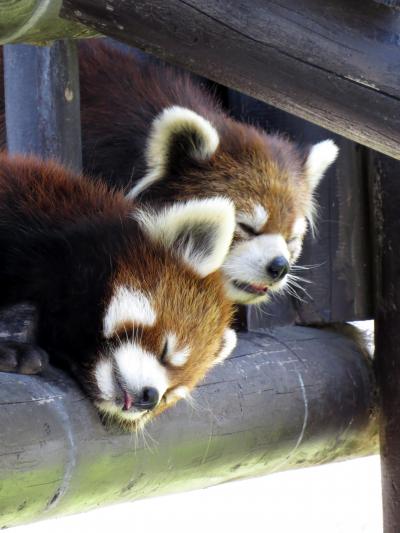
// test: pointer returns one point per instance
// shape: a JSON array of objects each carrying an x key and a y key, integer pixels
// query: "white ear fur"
[
  {"x": 229, "y": 341},
  {"x": 200, "y": 231},
  {"x": 321, "y": 156},
  {"x": 172, "y": 121}
]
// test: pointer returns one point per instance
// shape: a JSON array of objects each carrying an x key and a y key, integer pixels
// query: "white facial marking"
[
  {"x": 170, "y": 122},
  {"x": 229, "y": 342},
  {"x": 174, "y": 356},
  {"x": 299, "y": 227},
  {"x": 256, "y": 220},
  {"x": 248, "y": 261},
  {"x": 139, "y": 368},
  {"x": 180, "y": 392},
  {"x": 321, "y": 156},
  {"x": 110, "y": 408},
  {"x": 104, "y": 379},
  {"x": 296, "y": 242},
  {"x": 127, "y": 305},
  {"x": 213, "y": 219},
  {"x": 180, "y": 357}
]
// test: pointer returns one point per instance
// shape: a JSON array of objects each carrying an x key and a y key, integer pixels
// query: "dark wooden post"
[
  {"x": 385, "y": 189},
  {"x": 42, "y": 101}
]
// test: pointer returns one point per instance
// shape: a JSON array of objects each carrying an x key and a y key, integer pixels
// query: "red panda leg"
[{"x": 22, "y": 358}]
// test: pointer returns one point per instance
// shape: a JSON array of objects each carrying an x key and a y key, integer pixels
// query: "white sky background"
[{"x": 335, "y": 498}]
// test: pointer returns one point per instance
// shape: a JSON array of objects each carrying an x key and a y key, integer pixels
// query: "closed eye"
[
  {"x": 164, "y": 353},
  {"x": 292, "y": 239},
  {"x": 247, "y": 229}
]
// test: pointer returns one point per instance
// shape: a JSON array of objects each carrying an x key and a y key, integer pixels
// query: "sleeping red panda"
[
  {"x": 160, "y": 135},
  {"x": 129, "y": 299},
  {"x": 156, "y": 133}
]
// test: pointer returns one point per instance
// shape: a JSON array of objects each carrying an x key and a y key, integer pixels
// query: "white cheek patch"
[
  {"x": 256, "y": 220},
  {"x": 137, "y": 368},
  {"x": 110, "y": 408},
  {"x": 180, "y": 357},
  {"x": 128, "y": 305},
  {"x": 248, "y": 261},
  {"x": 176, "y": 357},
  {"x": 179, "y": 393},
  {"x": 294, "y": 247},
  {"x": 229, "y": 342},
  {"x": 104, "y": 379},
  {"x": 299, "y": 227},
  {"x": 296, "y": 243}
]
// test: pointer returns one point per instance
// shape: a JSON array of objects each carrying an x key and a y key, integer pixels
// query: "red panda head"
[
  {"x": 270, "y": 181},
  {"x": 131, "y": 300},
  {"x": 166, "y": 316}
]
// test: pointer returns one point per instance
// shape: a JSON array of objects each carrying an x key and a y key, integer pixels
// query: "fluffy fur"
[
  {"x": 175, "y": 126},
  {"x": 198, "y": 225},
  {"x": 127, "y": 304},
  {"x": 109, "y": 294},
  {"x": 159, "y": 135}
]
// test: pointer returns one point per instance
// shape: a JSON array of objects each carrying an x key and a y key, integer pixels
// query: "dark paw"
[{"x": 22, "y": 358}]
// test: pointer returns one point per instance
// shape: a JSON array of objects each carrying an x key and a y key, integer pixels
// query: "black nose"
[
  {"x": 147, "y": 398},
  {"x": 278, "y": 268}
]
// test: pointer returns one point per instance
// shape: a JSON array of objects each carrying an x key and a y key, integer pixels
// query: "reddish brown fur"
[
  {"x": 250, "y": 166},
  {"x": 57, "y": 230},
  {"x": 121, "y": 95}
]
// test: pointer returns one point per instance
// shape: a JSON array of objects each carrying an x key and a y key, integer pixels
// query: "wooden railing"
[{"x": 288, "y": 397}]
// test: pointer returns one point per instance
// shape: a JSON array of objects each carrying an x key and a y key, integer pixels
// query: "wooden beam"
[
  {"x": 329, "y": 62},
  {"x": 385, "y": 194},
  {"x": 287, "y": 398}
]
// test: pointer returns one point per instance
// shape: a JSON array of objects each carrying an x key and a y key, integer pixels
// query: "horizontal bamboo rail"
[{"x": 287, "y": 398}]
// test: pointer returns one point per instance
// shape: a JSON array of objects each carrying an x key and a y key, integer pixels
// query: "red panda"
[
  {"x": 129, "y": 299},
  {"x": 159, "y": 135}
]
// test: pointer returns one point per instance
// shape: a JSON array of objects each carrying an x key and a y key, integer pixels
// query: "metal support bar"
[{"x": 42, "y": 101}]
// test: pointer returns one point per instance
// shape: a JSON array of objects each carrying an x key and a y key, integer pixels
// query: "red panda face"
[
  {"x": 159, "y": 345},
  {"x": 167, "y": 325},
  {"x": 131, "y": 300},
  {"x": 269, "y": 181}
]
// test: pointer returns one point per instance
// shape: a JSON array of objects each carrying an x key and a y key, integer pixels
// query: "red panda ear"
[
  {"x": 178, "y": 136},
  {"x": 200, "y": 232},
  {"x": 319, "y": 158},
  {"x": 229, "y": 341}
]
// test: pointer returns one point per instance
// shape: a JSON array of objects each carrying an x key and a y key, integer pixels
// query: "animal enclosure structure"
[{"x": 288, "y": 396}]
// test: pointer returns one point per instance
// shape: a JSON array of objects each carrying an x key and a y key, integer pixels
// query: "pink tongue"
[
  {"x": 260, "y": 288},
  {"x": 128, "y": 401}
]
